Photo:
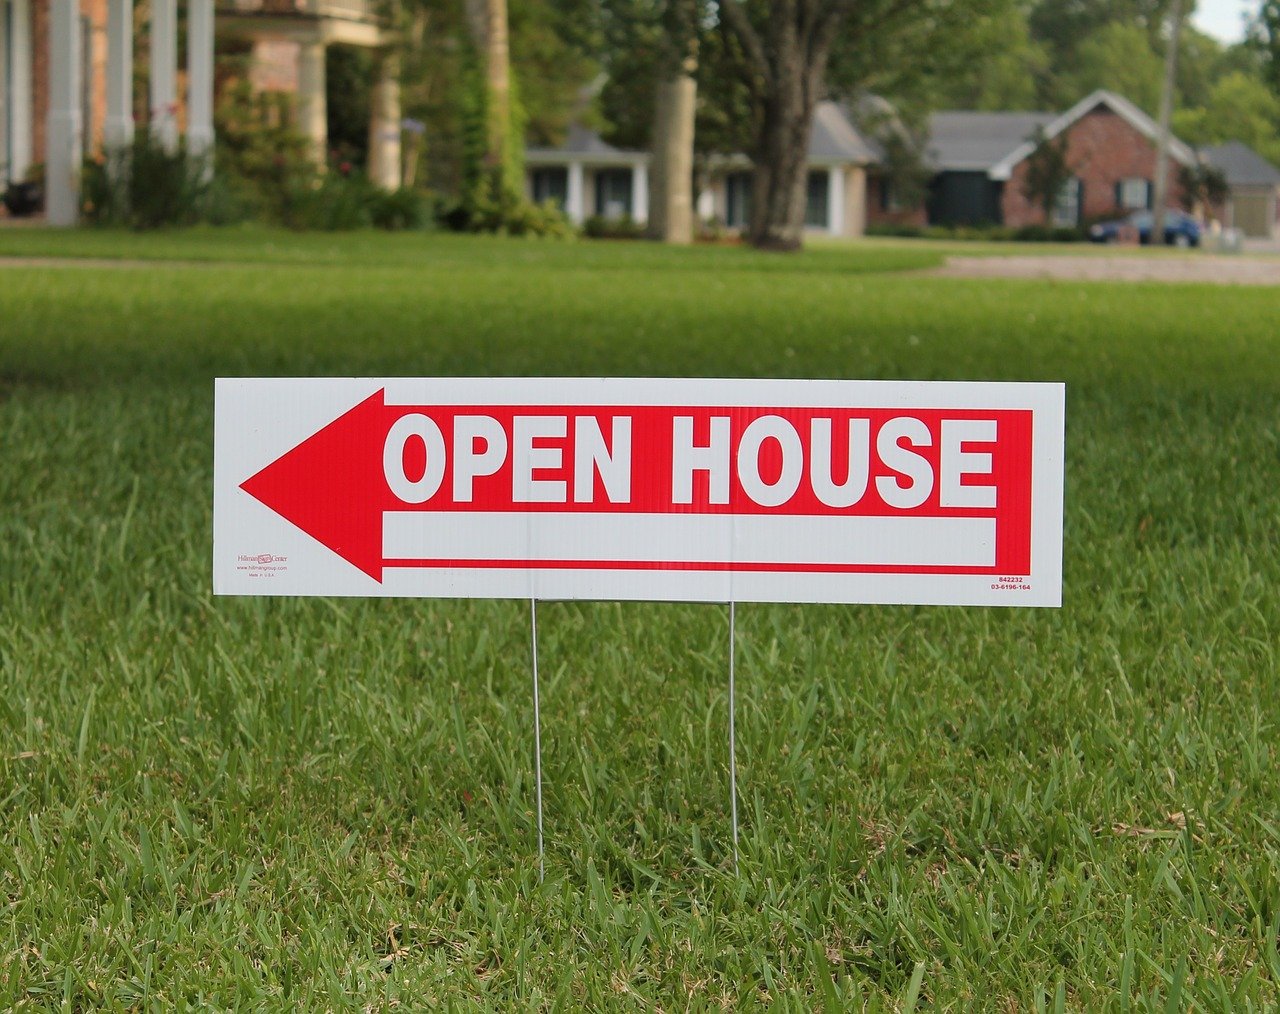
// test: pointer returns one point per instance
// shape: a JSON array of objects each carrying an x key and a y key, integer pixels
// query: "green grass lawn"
[{"x": 317, "y": 804}]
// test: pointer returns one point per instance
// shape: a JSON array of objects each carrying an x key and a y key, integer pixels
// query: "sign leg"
[
  {"x": 537, "y": 735},
  {"x": 733, "y": 765}
]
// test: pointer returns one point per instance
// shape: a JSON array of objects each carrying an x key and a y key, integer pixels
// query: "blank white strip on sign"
[{"x": 697, "y": 538}]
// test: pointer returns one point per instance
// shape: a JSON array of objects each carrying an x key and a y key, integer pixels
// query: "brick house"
[{"x": 980, "y": 163}]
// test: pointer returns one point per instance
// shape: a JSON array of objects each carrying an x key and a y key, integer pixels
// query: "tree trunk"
[
  {"x": 671, "y": 170},
  {"x": 487, "y": 20},
  {"x": 1161, "y": 188},
  {"x": 779, "y": 185}
]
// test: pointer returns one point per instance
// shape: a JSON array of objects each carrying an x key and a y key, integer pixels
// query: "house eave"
[{"x": 600, "y": 160}]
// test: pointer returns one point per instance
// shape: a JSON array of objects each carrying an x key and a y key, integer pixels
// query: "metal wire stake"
[
  {"x": 733, "y": 766},
  {"x": 537, "y": 735}
]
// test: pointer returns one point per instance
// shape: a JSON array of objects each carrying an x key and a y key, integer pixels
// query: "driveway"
[{"x": 1209, "y": 268}]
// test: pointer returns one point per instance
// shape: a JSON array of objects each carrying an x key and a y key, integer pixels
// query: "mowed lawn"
[{"x": 328, "y": 805}]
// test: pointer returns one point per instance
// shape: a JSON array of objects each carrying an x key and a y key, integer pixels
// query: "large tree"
[{"x": 787, "y": 48}]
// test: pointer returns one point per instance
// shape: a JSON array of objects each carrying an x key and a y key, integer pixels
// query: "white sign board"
[{"x": 683, "y": 490}]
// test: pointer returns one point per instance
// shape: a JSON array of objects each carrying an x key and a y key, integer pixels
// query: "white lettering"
[
  {"x": 852, "y": 489},
  {"x": 956, "y": 462},
  {"x": 905, "y": 462},
  {"x": 470, "y": 464},
  {"x": 402, "y": 431},
  {"x": 591, "y": 456},
  {"x": 527, "y": 459},
  {"x": 770, "y": 427},
  {"x": 686, "y": 458}
]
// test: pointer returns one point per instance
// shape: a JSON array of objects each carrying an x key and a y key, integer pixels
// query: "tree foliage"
[
  {"x": 1048, "y": 172},
  {"x": 1266, "y": 37},
  {"x": 554, "y": 53},
  {"x": 1202, "y": 186}
]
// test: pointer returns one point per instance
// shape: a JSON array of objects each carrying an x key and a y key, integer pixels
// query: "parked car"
[{"x": 1180, "y": 229}]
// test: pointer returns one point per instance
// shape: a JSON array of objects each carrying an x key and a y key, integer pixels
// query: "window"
[
  {"x": 613, "y": 193},
  {"x": 816, "y": 200},
  {"x": 889, "y": 196},
  {"x": 1133, "y": 193},
  {"x": 1066, "y": 209},
  {"x": 737, "y": 198},
  {"x": 551, "y": 185}
]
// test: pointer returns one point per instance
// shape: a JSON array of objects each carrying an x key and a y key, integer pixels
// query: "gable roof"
[
  {"x": 587, "y": 146},
  {"x": 1241, "y": 165},
  {"x": 1119, "y": 105},
  {"x": 833, "y": 140},
  {"x": 963, "y": 141}
]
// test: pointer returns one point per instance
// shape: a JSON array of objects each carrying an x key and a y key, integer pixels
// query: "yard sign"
[{"x": 685, "y": 490}]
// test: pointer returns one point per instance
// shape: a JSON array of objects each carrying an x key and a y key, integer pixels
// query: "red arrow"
[{"x": 332, "y": 484}]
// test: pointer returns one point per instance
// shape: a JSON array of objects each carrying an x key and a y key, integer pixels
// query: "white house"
[{"x": 586, "y": 176}]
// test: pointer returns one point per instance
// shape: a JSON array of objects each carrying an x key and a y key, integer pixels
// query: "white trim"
[{"x": 1119, "y": 105}]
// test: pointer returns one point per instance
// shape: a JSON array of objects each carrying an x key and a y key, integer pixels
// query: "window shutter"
[
  {"x": 1118, "y": 192},
  {"x": 1151, "y": 195}
]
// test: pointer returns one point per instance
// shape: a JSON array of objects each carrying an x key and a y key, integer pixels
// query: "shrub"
[
  {"x": 901, "y": 230},
  {"x": 145, "y": 186},
  {"x": 404, "y": 208},
  {"x": 332, "y": 204},
  {"x": 508, "y": 215},
  {"x": 1033, "y": 234},
  {"x": 263, "y": 162},
  {"x": 545, "y": 220},
  {"x": 711, "y": 230},
  {"x": 599, "y": 227}
]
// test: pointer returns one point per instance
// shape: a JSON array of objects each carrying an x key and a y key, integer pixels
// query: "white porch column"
[
  {"x": 574, "y": 206},
  {"x": 4, "y": 103},
  {"x": 640, "y": 193},
  {"x": 707, "y": 203},
  {"x": 313, "y": 116},
  {"x": 117, "y": 128},
  {"x": 20, "y": 117},
  {"x": 63, "y": 157},
  {"x": 200, "y": 80},
  {"x": 164, "y": 73},
  {"x": 384, "y": 125},
  {"x": 835, "y": 201}
]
